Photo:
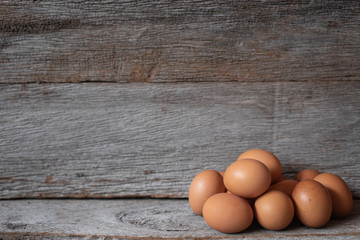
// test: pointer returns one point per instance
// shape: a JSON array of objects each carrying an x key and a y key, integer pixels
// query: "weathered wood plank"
[
  {"x": 141, "y": 219},
  {"x": 149, "y": 140},
  {"x": 171, "y": 41}
]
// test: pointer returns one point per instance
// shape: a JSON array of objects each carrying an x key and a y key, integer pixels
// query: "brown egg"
[
  {"x": 312, "y": 203},
  {"x": 306, "y": 174},
  {"x": 222, "y": 173},
  {"x": 274, "y": 210},
  {"x": 227, "y": 213},
  {"x": 203, "y": 186},
  {"x": 247, "y": 178},
  {"x": 342, "y": 200},
  {"x": 267, "y": 158},
  {"x": 285, "y": 186}
]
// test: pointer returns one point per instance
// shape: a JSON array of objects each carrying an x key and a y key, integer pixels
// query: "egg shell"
[
  {"x": 227, "y": 213},
  {"x": 268, "y": 159},
  {"x": 342, "y": 200},
  {"x": 274, "y": 210},
  {"x": 306, "y": 174},
  {"x": 312, "y": 201},
  {"x": 285, "y": 186},
  {"x": 247, "y": 178},
  {"x": 204, "y": 185}
]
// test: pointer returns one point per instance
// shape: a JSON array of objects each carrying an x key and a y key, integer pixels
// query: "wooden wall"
[{"x": 132, "y": 99}]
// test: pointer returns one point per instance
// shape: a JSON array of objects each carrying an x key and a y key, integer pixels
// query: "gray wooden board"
[
  {"x": 139, "y": 219},
  {"x": 94, "y": 140},
  {"x": 171, "y": 41}
]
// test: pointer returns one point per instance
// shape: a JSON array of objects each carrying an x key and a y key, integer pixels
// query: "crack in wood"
[
  {"x": 14, "y": 226},
  {"x": 34, "y": 25}
]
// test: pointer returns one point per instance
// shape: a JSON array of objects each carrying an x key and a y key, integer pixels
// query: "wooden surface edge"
[{"x": 47, "y": 235}]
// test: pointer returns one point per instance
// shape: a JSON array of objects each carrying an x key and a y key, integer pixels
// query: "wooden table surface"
[{"x": 141, "y": 219}]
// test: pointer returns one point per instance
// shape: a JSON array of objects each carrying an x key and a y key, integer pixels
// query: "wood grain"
[
  {"x": 141, "y": 219},
  {"x": 95, "y": 140},
  {"x": 177, "y": 41}
]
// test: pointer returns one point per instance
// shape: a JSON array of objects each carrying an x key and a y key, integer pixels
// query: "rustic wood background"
[
  {"x": 172, "y": 88},
  {"x": 150, "y": 140},
  {"x": 131, "y": 99},
  {"x": 172, "y": 41}
]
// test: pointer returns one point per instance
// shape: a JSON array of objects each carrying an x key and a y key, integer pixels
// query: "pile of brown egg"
[{"x": 253, "y": 186}]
